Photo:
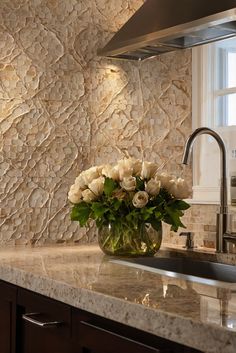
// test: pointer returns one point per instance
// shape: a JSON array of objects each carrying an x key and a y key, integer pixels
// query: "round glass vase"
[{"x": 121, "y": 240}]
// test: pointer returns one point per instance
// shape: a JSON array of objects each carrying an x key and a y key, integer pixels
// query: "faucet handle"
[{"x": 189, "y": 239}]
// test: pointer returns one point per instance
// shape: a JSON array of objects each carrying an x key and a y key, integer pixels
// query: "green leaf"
[
  {"x": 140, "y": 185},
  {"x": 132, "y": 216},
  {"x": 158, "y": 215},
  {"x": 156, "y": 224},
  {"x": 116, "y": 203},
  {"x": 81, "y": 213},
  {"x": 174, "y": 228},
  {"x": 147, "y": 212},
  {"x": 173, "y": 218},
  {"x": 112, "y": 217},
  {"x": 109, "y": 186},
  {"x": 180, "y": 205},
  {"x": 98, "y": 209}
]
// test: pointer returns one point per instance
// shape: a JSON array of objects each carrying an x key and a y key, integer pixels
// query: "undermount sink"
[{"x": 180, "y": 267}]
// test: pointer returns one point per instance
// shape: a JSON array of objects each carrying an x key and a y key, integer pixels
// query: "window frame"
[{"x": 204, "y": 93}]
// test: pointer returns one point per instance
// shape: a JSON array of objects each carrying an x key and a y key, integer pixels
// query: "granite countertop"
[{"x": 197, "y": 315}]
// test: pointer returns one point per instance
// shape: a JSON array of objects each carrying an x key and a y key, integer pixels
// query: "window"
[
  {"x": 225, "y": 87},
  {"x": 214, "y": 106}
]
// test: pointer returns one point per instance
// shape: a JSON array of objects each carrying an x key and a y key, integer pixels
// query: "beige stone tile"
[
  {"x": 64, "y": 109},
  {"x": 121, "y": 11}
]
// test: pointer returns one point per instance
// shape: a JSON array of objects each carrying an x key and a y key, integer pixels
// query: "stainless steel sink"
[{"x": 198, "y": 271}]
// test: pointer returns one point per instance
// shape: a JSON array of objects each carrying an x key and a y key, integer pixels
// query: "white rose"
[
  {"x": 153, "y": 187},
  {"x": 166, "y": 180},
  {"x": 137, "y": 166},
  {"x": 125, "y": 168},
  {"x": 80, "y": 182},
  {"x": 100, "y": 168},
  {"x": 90, "y": 174},
  {"x": 106, "y": 170},
  {"x": 88, "y": 195},
  {"x": 97, "y": 186},
  {"x": 74, "y": 194},
  {"x": 111, "y": 172},
  {"x": 128, "y": 184},
  {"x": 179, "y": 189},
  {"x": 148, "y": 170},
  {"x": 140, "y": 199},
  {"x": 120, "y": 194}
]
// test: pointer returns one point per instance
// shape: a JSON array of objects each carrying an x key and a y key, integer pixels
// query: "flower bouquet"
[{"x": 128, "y": 201}]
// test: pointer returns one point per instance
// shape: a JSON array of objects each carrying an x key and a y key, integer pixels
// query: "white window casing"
[{"x": 205, "y": 112}]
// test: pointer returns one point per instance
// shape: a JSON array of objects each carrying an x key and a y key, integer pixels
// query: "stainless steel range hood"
[{"x": 160, "y": 26}]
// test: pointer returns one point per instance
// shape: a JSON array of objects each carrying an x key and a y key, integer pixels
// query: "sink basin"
[{"x": 185, "y": 268}]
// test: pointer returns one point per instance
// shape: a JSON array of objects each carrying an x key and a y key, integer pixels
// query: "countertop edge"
[{"x": 170, "y": 326}]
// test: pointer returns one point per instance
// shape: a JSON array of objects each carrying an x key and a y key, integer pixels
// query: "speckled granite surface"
[{"x": 197, "y": 315}]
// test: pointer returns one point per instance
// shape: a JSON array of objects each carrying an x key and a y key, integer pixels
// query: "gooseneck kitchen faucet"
[{"x": 222, "y": 234}]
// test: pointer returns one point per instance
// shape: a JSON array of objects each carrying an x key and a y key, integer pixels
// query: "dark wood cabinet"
[
  {"x": 7, "y": 318},
  {"x": 44, "y": 324},
  {"x": 106, "y": 341},
  {"x": 99, "y": 335},
  {"x": 32, "y": 323}
]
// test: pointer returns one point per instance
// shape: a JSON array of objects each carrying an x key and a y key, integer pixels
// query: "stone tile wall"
[
  {"x": 63, "y": 109},
  {"x": 201, "y": 221}
]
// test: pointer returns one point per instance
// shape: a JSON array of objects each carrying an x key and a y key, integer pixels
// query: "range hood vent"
[{"x": 161, "y": 26}]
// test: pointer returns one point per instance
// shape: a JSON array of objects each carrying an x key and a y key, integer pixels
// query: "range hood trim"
[{"x": 161, "y": 36}]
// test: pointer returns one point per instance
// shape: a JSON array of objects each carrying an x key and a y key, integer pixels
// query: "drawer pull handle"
[{"x": 29, "y": 318}]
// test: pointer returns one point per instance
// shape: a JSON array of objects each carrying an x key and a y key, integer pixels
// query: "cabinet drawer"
[
  {"x": 44, "y": 314},
  {"x": 99, "y": 340},
  {"x": 95, "y": 334}
]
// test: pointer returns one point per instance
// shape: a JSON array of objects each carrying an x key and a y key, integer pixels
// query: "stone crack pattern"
[{"x": 63, "y": 109}]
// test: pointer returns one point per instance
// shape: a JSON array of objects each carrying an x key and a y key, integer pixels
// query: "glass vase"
[{"x": 121, "y": 240}]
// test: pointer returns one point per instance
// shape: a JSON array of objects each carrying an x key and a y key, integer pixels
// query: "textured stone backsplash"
[{"x": 64, "y": 109}]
